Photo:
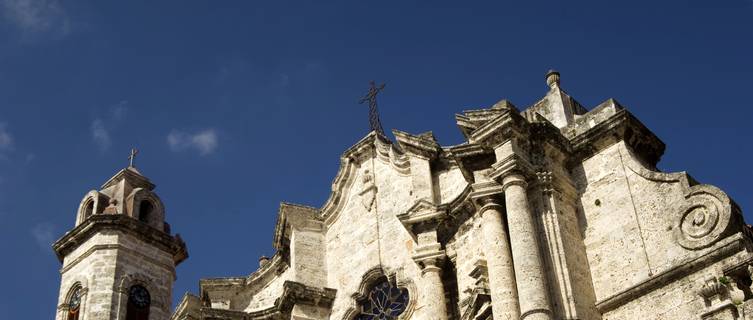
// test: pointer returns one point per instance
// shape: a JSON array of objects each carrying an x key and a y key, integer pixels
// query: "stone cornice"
[
  {"x": 423, "y": 212},
  {"x": 620, "y": 125},
  {"x": 292, "y": 214},
  {"x": 293, "y": 293},
  {"x": 507, "y": 125},
  {"x": 259, "y": 278},
  {"x": 417, "y": 145},
  {"x": 471, "y": 157},
  {"x": 510, "y": 165},
  {"x": 173, "y": 245}
]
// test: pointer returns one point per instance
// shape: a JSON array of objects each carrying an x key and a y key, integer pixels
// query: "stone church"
[{"x": 553, "y": 212}]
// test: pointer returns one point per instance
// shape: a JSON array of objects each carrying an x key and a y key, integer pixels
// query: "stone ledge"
[
  {"x": 724, "y": 249},
  {"x": 98, "y": 222}
]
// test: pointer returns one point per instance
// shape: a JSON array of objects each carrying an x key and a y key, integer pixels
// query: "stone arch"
[
  {"x": 372, "y": 277},
  {"x": 78, "y": 282},
  {"x": 159, "y": 302},
  {"x": 141, "y": 199},
  {"x": 92, "y": 203}
]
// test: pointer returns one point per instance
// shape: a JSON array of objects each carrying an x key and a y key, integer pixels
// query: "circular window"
[{"x": 139, "y": 296}]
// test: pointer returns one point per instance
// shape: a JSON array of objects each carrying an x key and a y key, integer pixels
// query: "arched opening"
[
  {"x": 74, "y": 303},
  {"x": 139, "y": 302},
  {"x": 89, "y": 208},
  {"x": 145, "y": 211},
  {"x": 384, "y": 301}
]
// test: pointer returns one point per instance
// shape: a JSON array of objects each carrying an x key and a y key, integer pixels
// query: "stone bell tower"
[{"x": 119, "y": 260}]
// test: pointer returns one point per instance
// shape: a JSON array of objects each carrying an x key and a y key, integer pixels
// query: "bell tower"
[{"x": 119, "y": 260}]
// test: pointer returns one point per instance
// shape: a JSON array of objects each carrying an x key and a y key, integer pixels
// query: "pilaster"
[{"x": 422, "y": 220}]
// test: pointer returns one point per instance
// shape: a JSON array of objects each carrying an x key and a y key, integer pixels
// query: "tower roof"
[{"x": 132, "y": 176}]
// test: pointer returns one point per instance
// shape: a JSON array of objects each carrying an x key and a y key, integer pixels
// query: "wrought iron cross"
[
  {"x": 371, "y": 98},
  {"x": 134, "y": 152}
]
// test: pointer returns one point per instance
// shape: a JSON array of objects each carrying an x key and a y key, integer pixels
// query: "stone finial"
[
  {"x": 263, "y": 260},
  {"x": 553, "y": 78}
]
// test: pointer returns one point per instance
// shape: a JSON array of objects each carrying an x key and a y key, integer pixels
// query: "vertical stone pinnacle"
[{"x": 553, "y": 78}]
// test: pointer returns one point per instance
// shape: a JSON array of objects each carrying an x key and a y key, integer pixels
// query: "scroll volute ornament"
[{"x": 705, "y": 217}]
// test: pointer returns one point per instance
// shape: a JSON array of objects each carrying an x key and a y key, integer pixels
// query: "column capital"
[
  {"x": 429, "y": 259},
  {"x": 489, "y": 203},
  {"x": 514, "y": 179},
  {"x": 513, "y": 164}
]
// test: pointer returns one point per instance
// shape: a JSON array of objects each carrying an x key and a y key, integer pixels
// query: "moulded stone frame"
[
  {"x": 369, "y": 278},
  {"x": 94, "y": 197},
  {"x": 125, "y": 282},
  {"x": 133, "y": 206},
  {"x": 62, "y": 309}
]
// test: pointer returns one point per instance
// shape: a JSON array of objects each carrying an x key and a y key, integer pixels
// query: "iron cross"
[
  {"x": 371, "y": 98},
  {"x": 134, "y": 152}
]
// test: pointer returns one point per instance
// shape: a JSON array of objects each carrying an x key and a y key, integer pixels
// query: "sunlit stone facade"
[{"x": 553, "y": 212}]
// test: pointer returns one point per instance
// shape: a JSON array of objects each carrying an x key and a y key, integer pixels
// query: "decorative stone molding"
[
  {"x": 423, "y": 145},
  {"x": 125, "y": 282},
  {"x": 133, "y": 206},
  {"x": 79, "y": 282},
  {"x": 370, "y": 278},
  {"x": 707, "y": 214},
  {"x": 422, "y": 221},
  {"x": 704, "y": 218},
  {"x": 510, "y": 165},
  {"x": 368, "y": 191},
  {"x": 612, "y": 124},
  {"x": 722, "y": 249},
  {"x": 98, "y": 202},
  {"x": 96, "y": 223}
]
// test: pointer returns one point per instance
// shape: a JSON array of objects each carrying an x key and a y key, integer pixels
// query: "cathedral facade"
[{"x": 553, "y": 212}]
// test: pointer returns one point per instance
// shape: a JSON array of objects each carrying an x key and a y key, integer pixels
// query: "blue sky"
[{"x": 239, "y": 105}]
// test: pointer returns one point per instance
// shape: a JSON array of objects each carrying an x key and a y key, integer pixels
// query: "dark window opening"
[
  {"x": 89, "y": 208},
  {"x": 139, "y": 302},
  {"x": 145, "y": 211}
]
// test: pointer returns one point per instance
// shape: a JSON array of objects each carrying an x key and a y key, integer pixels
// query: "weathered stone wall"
[
  {"x": 677, "y": 300},
  {"x": 106, "y": 265},
  {"x": 360, "y": 238},
  {"x": 255, "y": 298},
  {"x": 466, "y": 249},
  {"x": 143, "y": 264},
  {"x": 92, "y": 266},
  {"x": 611, "y": 224},
  {"x": 450, "y": 183}
]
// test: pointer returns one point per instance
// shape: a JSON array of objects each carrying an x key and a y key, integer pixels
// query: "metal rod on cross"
[
  {"x": 371, "y": 98},
  {"x": 134, "y": 152}
]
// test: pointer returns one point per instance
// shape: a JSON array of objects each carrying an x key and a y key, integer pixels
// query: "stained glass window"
[
  {"x": 384, "y": 302},
  {"x": 74, "y": 304}
]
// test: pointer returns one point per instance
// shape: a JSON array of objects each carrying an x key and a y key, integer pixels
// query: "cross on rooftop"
[
  {"x": 371, "y": 98},
  {"x": 133, "y": 154}
]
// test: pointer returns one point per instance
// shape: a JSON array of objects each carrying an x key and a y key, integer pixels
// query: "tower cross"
[
  {"x": 134, "y": 152},
  {"x": 371, "y": 98}
]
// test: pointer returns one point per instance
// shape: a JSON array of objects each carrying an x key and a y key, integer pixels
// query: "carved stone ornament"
[
  {"x": 704, "y": 218},
  {"x": 368, "y": 191}
]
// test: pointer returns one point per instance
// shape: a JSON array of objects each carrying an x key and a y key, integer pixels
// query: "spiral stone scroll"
[{"x": 705, "y": 217}]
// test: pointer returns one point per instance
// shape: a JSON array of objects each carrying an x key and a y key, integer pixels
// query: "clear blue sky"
[{"x": 238, "y": 105}]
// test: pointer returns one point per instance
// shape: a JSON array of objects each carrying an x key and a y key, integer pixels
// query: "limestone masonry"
[{"x": 555, "y": 212}]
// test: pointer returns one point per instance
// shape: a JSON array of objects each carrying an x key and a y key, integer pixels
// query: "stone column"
[
  {"x": 499, "y": 262},
  {"x": 524, "y": 242},
  {"x": 423, "y": 220},
  {"x": 434, "y": 291}
]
